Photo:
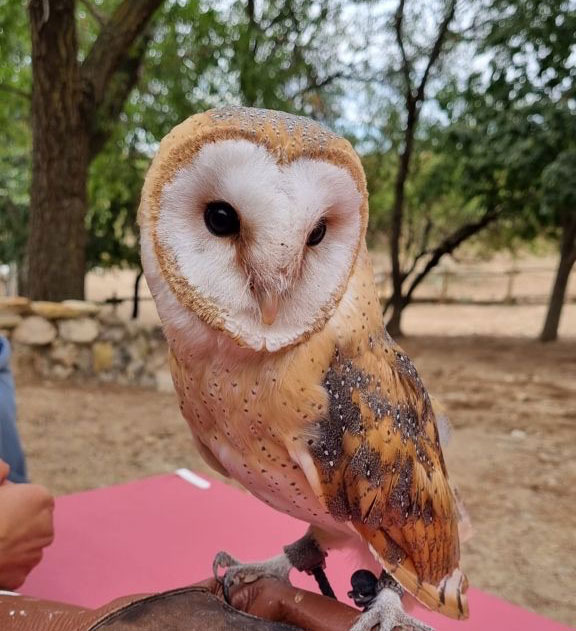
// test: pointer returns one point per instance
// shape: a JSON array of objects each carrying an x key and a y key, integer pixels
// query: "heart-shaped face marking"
[{"x": 296, "y": 195}]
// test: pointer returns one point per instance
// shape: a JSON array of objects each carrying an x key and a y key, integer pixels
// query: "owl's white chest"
[{"x": 236, "y": 423}]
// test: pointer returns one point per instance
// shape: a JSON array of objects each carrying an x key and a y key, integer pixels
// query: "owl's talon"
[
  {"x": 222, "y": 560},
  {"x": 227, "y": 582},
  {"x": 236, "y": 572},
  {"x": 386, "y": 610}
]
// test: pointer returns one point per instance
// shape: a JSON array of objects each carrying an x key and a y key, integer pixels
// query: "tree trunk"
[
  {"x": 248, "y": 44},
  {"x": 397, "y": 300},
  {"x": 56, "y": 244},
  {"x": 413, "y": 99},
  {"x": 69, "y": 101},
  {"x": 393, "y": 326},
  {"x": 567, "y": 260}
]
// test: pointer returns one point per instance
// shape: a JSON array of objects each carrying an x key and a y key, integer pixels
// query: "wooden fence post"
[
  {"x": 509, "y": 298},
  {"x": 444, "y": 288}
]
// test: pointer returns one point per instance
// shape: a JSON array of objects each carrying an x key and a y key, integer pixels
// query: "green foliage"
[
  {"x": 13, "y": 233},
  {"x": 532, "y": 43},
  {"x": 559, "y": 183},
  {"x": 280, "y": 54},
  {"x": 14, "y": 123},
  {"x": 380, "y": 169},
  {"x": 509, "y": 125},
  {"x": 501, "y": 137},
  {"x": 198, "y": 58},
  {"x": 437, "y": 199},
  {"x": 114, "y": 191},
  {"x": 180, "y": 74},
  {"x": 180, "y": 55},
  {"x": 198, "y": 55}
]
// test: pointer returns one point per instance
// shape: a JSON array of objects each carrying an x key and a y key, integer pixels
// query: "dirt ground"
[{"x": 513, "y": 453}]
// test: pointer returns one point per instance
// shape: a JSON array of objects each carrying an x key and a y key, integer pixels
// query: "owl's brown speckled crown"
[{"x": 286, "y": 136}]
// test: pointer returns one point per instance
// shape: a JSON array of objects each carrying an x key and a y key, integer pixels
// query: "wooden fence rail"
[{"x": 447, "y": 286}]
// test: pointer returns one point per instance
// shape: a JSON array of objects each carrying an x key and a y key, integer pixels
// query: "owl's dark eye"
[
  {"x": 318, "y": 233},
  {"x": 221, "y": 219}
]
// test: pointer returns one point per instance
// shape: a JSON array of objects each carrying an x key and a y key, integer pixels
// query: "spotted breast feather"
[{"x": 380, "y": 467}]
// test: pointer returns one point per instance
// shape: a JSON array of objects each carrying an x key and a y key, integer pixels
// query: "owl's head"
[{"x": 252, "y": 221}]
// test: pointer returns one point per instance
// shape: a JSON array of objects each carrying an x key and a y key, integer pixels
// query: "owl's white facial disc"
[{"x": 270, "y": 259}]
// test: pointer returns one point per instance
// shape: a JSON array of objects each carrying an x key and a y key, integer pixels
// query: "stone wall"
[{"x": 76, "y": 339}]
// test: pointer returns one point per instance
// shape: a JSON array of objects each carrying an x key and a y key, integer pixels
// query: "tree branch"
[
  {"x": 415, "y": 261},
  {"x": 426, "y": 234},
  {"x": 15, "y": 91},
  {"x": 423, "y": 248},
  {"x": 285, "y": 11},
  {"x": 254, "y": 29},
  {"x": 251, "y": 12},
  {"x": 387, "y": 305},
  {"x": 317, "y": 84},
  {"x": 112, "y": 45},
  {"x": 123, "y": 82},
  {"x": 436, "y": 48},
  {"x": 93, "y": 11},
  {"x": 449, "y": 244},
  {"x": 413, "y": 105},
  {"x": 406, "y": 65}
]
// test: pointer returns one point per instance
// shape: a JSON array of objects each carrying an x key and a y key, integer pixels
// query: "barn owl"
[{"x": 253, "y": 228}]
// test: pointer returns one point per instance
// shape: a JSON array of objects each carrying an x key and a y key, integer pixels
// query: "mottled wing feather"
[
  {"x": 445, "y": 431},
  {"x": 380, "y": 466}
]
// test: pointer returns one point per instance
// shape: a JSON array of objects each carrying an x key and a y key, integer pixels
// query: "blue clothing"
[{"x": 10, "y": 447}]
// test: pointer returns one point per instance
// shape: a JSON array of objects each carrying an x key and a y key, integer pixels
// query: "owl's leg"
[
  {"x": 309, "y": 555},
  {"x": 305, "y": 555},
  {"x": 383, "y": 605}
]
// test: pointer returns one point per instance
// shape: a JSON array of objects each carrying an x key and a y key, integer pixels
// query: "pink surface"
[{"x": 162, "y": 532}]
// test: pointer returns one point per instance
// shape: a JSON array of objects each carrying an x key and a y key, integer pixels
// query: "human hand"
[
  {"x": 4, "y": 471},
  {"x": 26, "y": 528}
]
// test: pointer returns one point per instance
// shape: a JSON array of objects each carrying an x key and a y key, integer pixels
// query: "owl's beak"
[{"x": 268, "y": 307}]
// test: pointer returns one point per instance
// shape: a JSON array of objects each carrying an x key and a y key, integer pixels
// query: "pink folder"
[{"x": 163, "y": 532}]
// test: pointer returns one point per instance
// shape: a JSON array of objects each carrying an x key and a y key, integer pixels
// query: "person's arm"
[
  {"x": 26, "y": 528},
  {"x": 10, "y": 445}
]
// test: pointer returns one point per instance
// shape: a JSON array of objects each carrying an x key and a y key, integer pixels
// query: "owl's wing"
[
  {"x": 378, "y": 465},
  {"x": 445, "y": 431}
]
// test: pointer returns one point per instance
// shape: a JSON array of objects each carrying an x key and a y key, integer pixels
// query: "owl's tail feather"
[
  {"x": 448, "y": 597},
  {"x": 465, "y": 528}
]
